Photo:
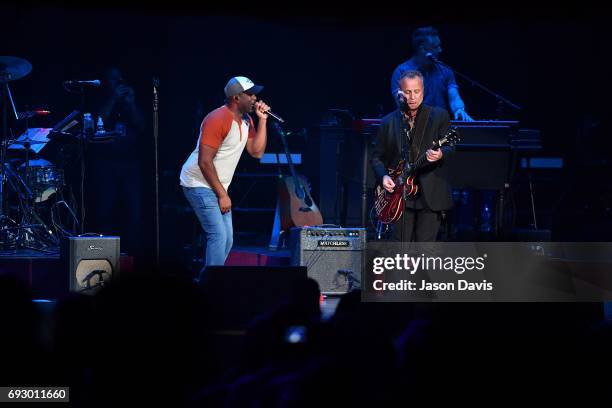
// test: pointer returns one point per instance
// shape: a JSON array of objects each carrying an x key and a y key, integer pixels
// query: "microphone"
[
  {"x": 275, "y": 116},
  {"x": 401, "y": 100},
  {"x": 432, "y": 57},
  {"x": 93, "y": 82}
]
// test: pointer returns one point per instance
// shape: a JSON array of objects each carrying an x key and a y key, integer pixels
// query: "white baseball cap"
[{"x": 240, "y": 84}]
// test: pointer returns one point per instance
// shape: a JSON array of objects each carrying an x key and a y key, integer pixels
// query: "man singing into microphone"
[
  {"x": 441, "y": 89},
  {"x": 208, "y": 171}
]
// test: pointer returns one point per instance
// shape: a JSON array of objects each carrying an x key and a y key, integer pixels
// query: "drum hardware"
[{"x": 31, "y": 182}]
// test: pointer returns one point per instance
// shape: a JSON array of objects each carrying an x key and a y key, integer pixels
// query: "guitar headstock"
[{"x": 450, "y": 138}]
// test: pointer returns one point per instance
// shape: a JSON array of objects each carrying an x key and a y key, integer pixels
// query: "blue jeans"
[{"x": 217, "y": 227}]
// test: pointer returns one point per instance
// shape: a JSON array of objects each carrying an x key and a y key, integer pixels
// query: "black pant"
[{"x": 417, "y": 225}]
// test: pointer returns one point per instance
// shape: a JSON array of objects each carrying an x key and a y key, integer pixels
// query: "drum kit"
[{"x": 31, "y": 187}]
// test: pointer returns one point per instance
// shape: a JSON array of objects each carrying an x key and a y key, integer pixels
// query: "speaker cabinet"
[
  {"x": 334, "y": 257},
  {"x": 91, "y": 262},
  {"x": 345, "y": 175}
]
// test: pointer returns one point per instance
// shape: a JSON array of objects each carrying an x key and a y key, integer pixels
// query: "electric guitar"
[{"x": 390, "y": 206}]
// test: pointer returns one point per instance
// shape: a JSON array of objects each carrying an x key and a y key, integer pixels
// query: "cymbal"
[
  {"x": 24, "y": 142},
  {"x": 37, "y": 163},
  {"x": 12, "y": 68}
]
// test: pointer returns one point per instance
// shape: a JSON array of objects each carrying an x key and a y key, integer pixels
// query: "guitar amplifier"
[
  {"x": 334, "y": 257},
  {"x": 91, "y": 262}
]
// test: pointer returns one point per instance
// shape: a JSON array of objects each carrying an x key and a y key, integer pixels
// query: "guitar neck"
[
  {"x": 421, "y": 159},
  {"x": 450, "y": 138},
  {"x": 286, "y": 148}
]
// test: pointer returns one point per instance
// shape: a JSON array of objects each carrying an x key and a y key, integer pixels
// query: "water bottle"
[
  {"x": 88, "y": 126},
  {"x": 100, "y": 126}
]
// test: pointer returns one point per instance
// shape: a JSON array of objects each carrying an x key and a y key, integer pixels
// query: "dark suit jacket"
[{"x": 431, "y": 178}]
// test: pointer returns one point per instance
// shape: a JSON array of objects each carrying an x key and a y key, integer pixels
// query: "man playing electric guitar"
[{"x": 403, "y": 135}]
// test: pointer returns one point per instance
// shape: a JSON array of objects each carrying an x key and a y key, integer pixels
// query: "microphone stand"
[
  {"x": 82, "y": 141},
  {"x": 3, "y": 145},
  {"x": 155, "y": 139},
  {"x": 478, "y": 85}
]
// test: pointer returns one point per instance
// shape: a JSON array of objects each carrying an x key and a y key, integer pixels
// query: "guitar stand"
[{"x": 277, "y": 233}]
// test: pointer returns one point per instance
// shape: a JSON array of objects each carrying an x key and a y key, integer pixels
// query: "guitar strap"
[
  {"x": 415, "y": 137},
  {"x": 418, "y": 132}
]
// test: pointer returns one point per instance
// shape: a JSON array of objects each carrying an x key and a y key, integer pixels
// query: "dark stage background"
[{"x": 553, "y": 63}]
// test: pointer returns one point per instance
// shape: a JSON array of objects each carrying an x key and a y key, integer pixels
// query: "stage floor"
[{"x": 46, "y": 275}]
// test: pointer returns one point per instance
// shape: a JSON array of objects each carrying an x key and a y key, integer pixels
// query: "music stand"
[{"x": 66, "y": 124}]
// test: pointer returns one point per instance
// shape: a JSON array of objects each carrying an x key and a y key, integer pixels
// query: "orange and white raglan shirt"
[{"x": 221, "y": 131}]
